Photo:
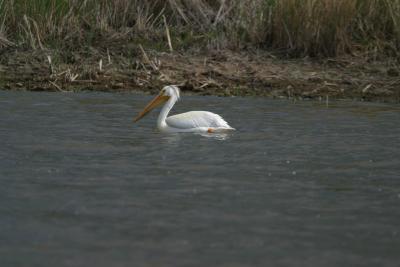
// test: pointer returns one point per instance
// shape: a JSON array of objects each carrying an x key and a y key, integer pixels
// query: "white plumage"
[{"x": 193, "y": 121}]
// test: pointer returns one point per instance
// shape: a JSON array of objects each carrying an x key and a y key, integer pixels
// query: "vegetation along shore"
[{"x": 279, "y": 48}]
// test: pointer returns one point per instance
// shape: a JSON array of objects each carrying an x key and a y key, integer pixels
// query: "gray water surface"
[{"x": 298, "y": 184}]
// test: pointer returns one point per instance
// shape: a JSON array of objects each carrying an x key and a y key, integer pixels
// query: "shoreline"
[{"x": 219, "y": 73}]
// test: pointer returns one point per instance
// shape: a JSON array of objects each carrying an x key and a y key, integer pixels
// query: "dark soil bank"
[{"x": 222, "y": 73}]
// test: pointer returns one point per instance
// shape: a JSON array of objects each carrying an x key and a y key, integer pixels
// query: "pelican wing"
[{"x": 196, "y": 119}]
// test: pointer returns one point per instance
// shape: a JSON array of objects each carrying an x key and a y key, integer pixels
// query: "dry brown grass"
[{"x": 297, "y": 27}]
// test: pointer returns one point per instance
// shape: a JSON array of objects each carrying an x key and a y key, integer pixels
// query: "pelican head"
[
  {"x": 167, "y": 93},
  {"x": 172, "y": 91}
]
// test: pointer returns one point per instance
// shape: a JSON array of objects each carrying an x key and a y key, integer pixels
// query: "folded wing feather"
[{"x": 195, "y": 119}]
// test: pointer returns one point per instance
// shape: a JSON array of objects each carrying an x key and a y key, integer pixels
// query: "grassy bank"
[
  {"x": 278, "y": 48},
  {"x": 295, "y": 27}
]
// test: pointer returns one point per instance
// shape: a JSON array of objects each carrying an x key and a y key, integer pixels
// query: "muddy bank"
[{"x": 213, "y": 73}]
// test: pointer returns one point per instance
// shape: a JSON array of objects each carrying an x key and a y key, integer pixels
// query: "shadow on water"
[{"x": 175, "y": 138}]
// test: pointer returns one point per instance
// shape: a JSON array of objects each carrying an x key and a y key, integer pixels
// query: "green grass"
[{"x": 296, "y": 27}]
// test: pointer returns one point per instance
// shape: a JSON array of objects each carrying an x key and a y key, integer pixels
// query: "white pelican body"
[{"x": 193, "y": 121}]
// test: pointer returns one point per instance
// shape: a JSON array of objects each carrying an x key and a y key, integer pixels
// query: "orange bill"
[{"x": 158, "y": 100}]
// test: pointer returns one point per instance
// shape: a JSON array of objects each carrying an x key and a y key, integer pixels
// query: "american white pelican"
[{"x": 193, "y": 121}]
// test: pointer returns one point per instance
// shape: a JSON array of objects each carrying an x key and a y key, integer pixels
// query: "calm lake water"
[{"x": 298, "y": 184}]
